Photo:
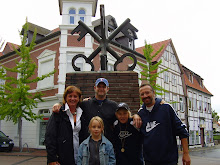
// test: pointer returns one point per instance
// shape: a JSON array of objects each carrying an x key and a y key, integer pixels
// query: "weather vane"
[{"x": 104, "y": 41}]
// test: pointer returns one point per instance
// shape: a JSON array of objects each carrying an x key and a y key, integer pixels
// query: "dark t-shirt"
[{"x": 94, "y": 152}]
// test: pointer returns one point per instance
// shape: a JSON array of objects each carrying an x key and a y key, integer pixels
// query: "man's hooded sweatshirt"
[{"x": 160, "y": 128}]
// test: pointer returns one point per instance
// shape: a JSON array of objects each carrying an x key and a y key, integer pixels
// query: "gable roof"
[
  {"x": 9, "y": 48},
  {"x": 40, "y": 30},
  {"x": 156, "y": 47},
  {"x": 194, "y": 84}
]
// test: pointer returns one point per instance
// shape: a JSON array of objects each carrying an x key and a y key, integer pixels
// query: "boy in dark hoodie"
[{"x": 127, "y": 138}]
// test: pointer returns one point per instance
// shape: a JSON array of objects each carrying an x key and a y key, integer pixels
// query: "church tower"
[{"x": 72, "y": 11}]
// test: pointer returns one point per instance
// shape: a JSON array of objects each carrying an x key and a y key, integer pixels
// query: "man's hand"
[
  {"x": 137, "y": 122},
  {"x": 186, "y": 159},
  {"x": 86, "y": 99},
  {"x": 56, "y": 108},
  {"x": 162, "y": 102}
]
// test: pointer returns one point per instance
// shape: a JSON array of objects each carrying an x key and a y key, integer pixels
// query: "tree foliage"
[
  {"x": 215, "y": 116},
  {"x": 150, "y": 71},
  {"x": 16, "y": 102}
]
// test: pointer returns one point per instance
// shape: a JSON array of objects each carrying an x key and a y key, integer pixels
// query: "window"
[
  {"x": 191, "y": 137},
  {"x": 2, "y": 82},
  {"x": 173, "y": 59},
  {"x": 110, "y": 67},
  {"x": 167, "y": 97},
  {"x": 181, "y": 104},
  {"x": 209, "y": 108},
  {"x": 166, "y": 77},
  {"x": 166, "y": 55},
  {"x": 200, "y": 104},
  {"x": 72, "y": 13},
  {"x": 194, "y": 102},
  {"x": 197, "y": 137},
  {"x": 190, "y": 101},
  {"x": 205, "y": 104},
  {"x": 43, "y": 123},
  {"x": 131, "y": 44},
  {"x": 82, "y": 15},
  {"x": 201, "y": 83},
  {"x": 174, "y": 80},
  {"x": 209, "y": 136},
  {"x": 46, "y": 61},
  {"x": 191, "y": 78},
  {"x": 175, "y": 102}
]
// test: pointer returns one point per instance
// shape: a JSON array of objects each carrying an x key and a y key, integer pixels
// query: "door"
[{"x": 202, "y": 137}]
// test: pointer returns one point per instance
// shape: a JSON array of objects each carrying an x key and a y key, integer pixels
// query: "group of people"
[{"x": 98, "y": 131}]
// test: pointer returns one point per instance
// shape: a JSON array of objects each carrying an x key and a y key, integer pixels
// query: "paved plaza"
[{"x": 199, "y": 156}]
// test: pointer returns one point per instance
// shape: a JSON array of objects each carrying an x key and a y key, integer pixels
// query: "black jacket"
[
  {"x": 105, "y": 110},
  {"x": 59, "y": 139}
]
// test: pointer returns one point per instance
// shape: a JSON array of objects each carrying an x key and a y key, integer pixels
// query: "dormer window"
[
  {"x": 201, "y": 83},
  {"x": 82, "y": 15},
  {"x": 131, "y": 44},
  {"x": 72, "y": 13},
  {"x": 191, "y": 78}
]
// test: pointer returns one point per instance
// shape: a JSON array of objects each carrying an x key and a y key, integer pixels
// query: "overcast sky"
[{"x": 193, "y": 26}]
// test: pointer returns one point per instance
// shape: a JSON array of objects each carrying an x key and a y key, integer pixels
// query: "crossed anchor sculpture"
[{"x": 103, "y": 43}]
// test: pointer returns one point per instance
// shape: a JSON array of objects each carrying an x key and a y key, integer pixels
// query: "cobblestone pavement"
[{"x": 199, "y": 156}]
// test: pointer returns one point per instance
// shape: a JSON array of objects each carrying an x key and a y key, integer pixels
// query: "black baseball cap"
[{"x": 123, "y": 105}]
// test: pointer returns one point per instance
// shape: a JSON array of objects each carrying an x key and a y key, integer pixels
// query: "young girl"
[
  {"x": 96, "y": 149},
  {"x": 127, "y": 139}
]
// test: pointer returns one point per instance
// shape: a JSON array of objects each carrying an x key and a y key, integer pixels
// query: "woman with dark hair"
[{"x": 62, "y": 133}]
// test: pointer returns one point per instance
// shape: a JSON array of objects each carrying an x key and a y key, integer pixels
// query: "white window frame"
[
  {"x": 174, "y": 80},
  {"x": 166, "y": 77},
  {"x": 166, "y": 55},
  {"x": 175, "y": 102},
  {"x": 45, "y": 57},
  {"x": 2, "y": 82},
  {"x": 190, "y": 100},
  {"x": 181, "y": 103},
  {"x": 173, "y": 59},
  {"x": 194, "y": 102},
  {"x": 200, "y": 104},
  {"x": 167, "y": 97},
  {"x": 72, "y": 16},
  {"x": 82, "y": 15}
]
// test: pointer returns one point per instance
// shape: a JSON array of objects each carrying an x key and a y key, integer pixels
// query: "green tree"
[
  {"x": 150, "y": 71},
  {"x": 16, "y": 102},
  {"x": 215, "y": 116}
]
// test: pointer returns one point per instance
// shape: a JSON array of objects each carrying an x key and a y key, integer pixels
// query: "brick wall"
[{"x": 123, "y": 85}]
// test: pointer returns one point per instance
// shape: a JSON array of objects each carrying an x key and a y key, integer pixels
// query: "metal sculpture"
[{"x": 104, "y": 43}]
